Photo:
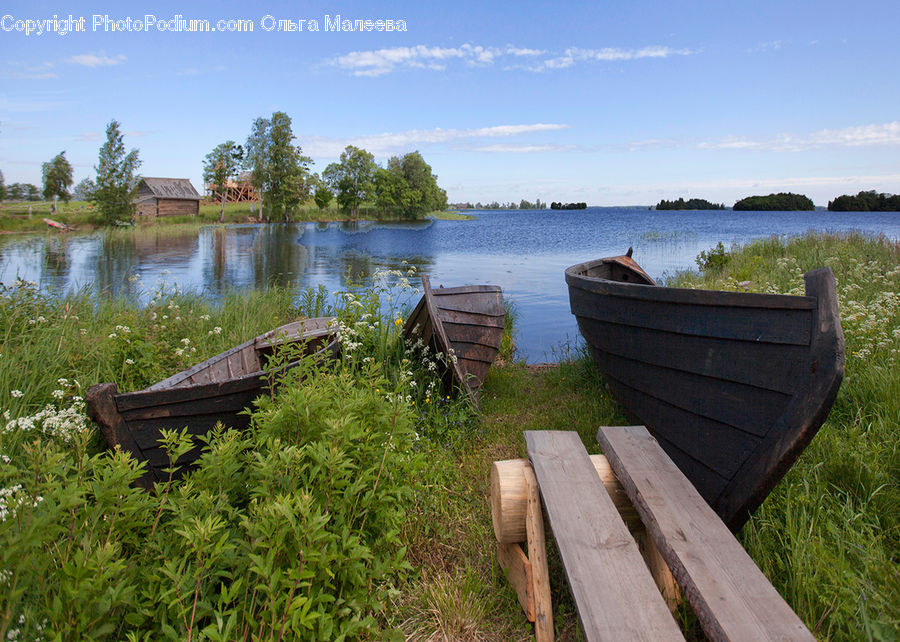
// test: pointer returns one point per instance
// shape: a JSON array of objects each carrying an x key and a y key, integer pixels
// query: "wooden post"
[{"x": 537, "y": 553}]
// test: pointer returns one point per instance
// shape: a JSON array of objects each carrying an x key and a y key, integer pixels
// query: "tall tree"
[
  {"x": 116, "y": 179},
  {"x": 352, "y": 178},
  {"x": 57, "y": 177},
  {"x": 421, "y": 193},
  {"x": 84, "y": 191},
  {"x": 2, "y": 188},
  {"x": 321, "y": 194},
  {"x": 222, "y": 165},
  {"x": 278, "y": 168}
]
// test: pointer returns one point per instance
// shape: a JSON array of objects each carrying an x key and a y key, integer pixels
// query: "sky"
[{"x": 608, "y": 102}]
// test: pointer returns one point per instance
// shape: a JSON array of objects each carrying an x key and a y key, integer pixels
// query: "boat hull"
[
  {"x": 218, "y": 390},
  {"x": 733, "y": 385},
  {"x": 465, "y": 324}
]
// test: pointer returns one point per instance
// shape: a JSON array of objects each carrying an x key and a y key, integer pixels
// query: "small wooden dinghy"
[
  {"x": 217, "y": 390},
  {"x": 733, "y": 385},
  {"x": 465, "y": 324}
]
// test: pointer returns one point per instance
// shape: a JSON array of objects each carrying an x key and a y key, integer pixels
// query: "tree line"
[
  {"x": 690, "y": 204},
  {"x": 279, "y": 171},
  {"x": 870, "y": 201},
  {"x": 496, "y": 205},
  {"x": 783, "y": 201},
  {"x": 405, "y": 188},
  {"x": 567, "y": 206}
]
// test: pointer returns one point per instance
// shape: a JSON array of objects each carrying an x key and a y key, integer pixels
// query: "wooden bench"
[{"x": 610, "y": 575}]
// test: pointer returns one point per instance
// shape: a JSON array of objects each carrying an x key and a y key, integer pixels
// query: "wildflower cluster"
[{"x": 65, "y": 421}]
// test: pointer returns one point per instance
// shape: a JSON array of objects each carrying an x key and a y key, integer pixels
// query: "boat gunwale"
[{"x": 576, "y": 277}]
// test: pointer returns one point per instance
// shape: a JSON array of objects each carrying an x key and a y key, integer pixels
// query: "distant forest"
[
  {"x": 690, "y": 204},
  {"x": 783, "y": 201},
  {"x": 870, "y": 201},
  {"x": 568, "y": 206}
]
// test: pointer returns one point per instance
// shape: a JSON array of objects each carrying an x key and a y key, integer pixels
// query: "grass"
[
  {"x": 14, "y": 217},
  {"x": 827, "y": 537}
]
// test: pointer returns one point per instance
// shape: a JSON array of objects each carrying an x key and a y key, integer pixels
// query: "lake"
[{"x": 524, "y": 252}]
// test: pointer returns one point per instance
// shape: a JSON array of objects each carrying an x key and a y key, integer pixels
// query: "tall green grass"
[{"x": 828, "y": 536}]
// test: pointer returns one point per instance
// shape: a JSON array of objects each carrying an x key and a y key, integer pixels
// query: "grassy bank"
[
  {"x": 358, "y": 503},
  {"x": 15, "y": 218}
]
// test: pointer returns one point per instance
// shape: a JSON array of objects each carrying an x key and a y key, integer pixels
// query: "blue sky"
[{"x": 612, "y": 103}]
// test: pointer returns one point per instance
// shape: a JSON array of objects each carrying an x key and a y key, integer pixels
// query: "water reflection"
[{"x": 523, "y": 252}]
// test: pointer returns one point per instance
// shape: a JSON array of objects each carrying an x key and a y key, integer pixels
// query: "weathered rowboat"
[
  {"x": 733, "y": 385},
  {"x": 465, "y": 324},
  {"x": 216, "y": 390}
]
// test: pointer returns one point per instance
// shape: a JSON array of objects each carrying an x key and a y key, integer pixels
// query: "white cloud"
[
  {"x": 382, "y": 61},
  {"x": 507, "y": 148},
  {"x": 864, "y": 135},
  {"x": 388, "y": 143},
  {"x": 95, "y": 60}
]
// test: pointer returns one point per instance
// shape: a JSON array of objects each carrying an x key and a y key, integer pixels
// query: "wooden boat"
[
  {"x": 465, "y": 324},
  {"x": 62, "y": 227},
  {"x": 733, "y": 385},
  {"x": 217, "y": 390}
]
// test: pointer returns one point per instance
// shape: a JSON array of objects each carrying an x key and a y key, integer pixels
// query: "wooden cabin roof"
[{"x": 174, "y": 188}]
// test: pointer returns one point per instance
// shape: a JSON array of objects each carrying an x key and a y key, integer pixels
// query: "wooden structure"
[
  {"x": 239, "y": 191},
  {"x": 624, "y": 536},
  {"x": 734, "y": 385},
  {"x": 166, "y": 197},
  {"x": 216, "y": 390},
  {"x": 465, "y": 324}
]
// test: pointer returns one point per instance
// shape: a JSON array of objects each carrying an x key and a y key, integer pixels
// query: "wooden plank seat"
[
  {"x": 602, "y": 510},
  {"x": 730, "y": 595}
]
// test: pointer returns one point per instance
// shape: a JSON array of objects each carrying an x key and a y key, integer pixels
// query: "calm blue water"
[{"x": 524, "y": 252}]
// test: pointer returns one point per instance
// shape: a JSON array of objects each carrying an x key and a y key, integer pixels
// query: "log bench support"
[{"x": 623, "y": 549}]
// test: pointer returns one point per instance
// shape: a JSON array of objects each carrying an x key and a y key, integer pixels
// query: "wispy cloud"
[
  {"x": 29, "y": 71},
  {"x": 524, "y": 148},
  {"x": 96, "y": 60},
  {"x": 388, "y": 143},
  {"x": 382, "y": 61},
  {"x": 864, "y": 135}
]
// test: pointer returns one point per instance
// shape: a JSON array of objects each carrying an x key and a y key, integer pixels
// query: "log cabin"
[{"x": 167, "y": 197}]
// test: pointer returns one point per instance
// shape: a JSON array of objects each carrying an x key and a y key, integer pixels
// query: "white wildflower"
[
  {"x": 16, "y": 393},
  {"x": 129, "y": 362}
]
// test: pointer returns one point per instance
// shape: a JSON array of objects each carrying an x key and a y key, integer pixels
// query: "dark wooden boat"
[
  {"x": 733, "y": 385},
  {"x": 217, "y": 390},
  {"x": 465, "y": 324}
]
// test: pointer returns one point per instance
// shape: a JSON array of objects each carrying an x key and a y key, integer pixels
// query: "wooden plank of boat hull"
[
  {"x": 148, "y": 398},
  {"x": 467, "y": 289},
  {"x": 605, "y": 287},
  {"x": 474, "y": 352},
  {"x": 472, "y": 318},
  {"x": 189, "y": 407},
  {"x": 730, "y": 595},
  {"x": 746, "y": 408},
  {"x": 745, "y": 324},
  {"x": 146, "y": 432},
  {"x": 484, "y": 335},
  {"x": 717, "y": 446},
  {"x": 616, "y": 596},
  {"x": 765, "y": 365},
  {"x": 492, "y": 307}
]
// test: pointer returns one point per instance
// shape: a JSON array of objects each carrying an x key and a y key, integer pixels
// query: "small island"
[
  {"x": 568, "y": 206},
  {"x": 781, "y": 202},
  {"x": 690, "y": 204},
  {"x": 870, "y": 201}
]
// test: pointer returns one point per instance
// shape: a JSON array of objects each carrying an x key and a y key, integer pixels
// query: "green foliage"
[
  {"x": 417, "y": 186},
  {"x": 783, "y": 201},
  {"x": 57, "y": 177},
  {"x": 714, "y": 260},
  {"x": 870, "y": 201},
  {"x": 2, "y": 188},
  {"x": 84, "y": 191},
  {"x": 220, "y": 166},
  {"x": 278, "y": 169},
  {"x": 116, "y": 182},
  {"x": 352, "y": 178},
  {"x": 322, "y": 196},
  {"x": 690, "y": 204},
  {"x": 567, "y": 206}
]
